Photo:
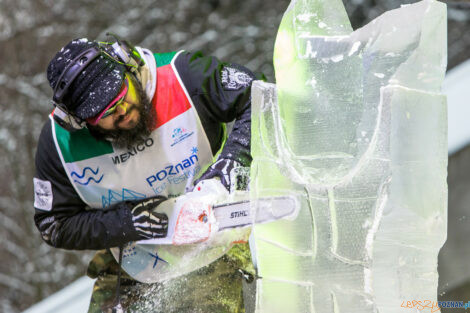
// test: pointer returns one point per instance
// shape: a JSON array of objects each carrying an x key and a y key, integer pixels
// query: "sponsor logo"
[
  {"x": 174, "y": 174},
  {"x": 129, "y": 251},
  {"x": 92, "y": 176},
  {"x": 234, "y": 79},
  {"x": 172, "y": 170},
  {"x": 42, "y": 194},
  {"x": 124, "y": 157},
  {"x": 126, "y": 194},
  {"x": 239, "y": 214},
  {"x": 180, "y": 134}
]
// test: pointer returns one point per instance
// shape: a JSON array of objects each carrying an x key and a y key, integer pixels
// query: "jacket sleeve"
[
  {"x": 221, "y": 93},
  {"x": 62, "y": 218}
]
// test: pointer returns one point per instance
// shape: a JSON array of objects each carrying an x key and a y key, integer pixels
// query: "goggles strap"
[
  {"x": 120, "y": 53},
  {"x": 67, "y": 120},
  {"x": 132, "y": 56}
]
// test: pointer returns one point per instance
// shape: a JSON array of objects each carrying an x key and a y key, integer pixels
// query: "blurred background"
[{"x": 31, "y": 32}]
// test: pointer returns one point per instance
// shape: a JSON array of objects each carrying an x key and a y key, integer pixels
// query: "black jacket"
[{"x": 217, "y": 97}]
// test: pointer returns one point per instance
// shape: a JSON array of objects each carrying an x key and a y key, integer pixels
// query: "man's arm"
[{"x": 62, "y": 217}]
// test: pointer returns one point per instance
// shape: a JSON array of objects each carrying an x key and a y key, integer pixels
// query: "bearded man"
[{"x": 123, "y": 116}]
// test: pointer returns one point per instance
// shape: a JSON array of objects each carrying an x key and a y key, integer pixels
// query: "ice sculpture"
[{"x": 357, "y": 129}]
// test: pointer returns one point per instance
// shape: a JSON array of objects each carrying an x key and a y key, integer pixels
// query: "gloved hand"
[
  {"x": 147, "y": 223},
  {"x": 221, "y": 169}
]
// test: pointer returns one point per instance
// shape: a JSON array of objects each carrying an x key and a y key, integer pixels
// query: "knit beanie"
[{"x": 95, "y": 87}]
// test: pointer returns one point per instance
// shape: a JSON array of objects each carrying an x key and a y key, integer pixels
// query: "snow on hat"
[{"x": 95, "y": 87}]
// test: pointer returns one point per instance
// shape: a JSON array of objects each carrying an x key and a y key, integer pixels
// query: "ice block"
[{"x": 356, "y": 128}]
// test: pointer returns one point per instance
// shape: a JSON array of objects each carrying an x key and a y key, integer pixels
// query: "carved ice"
[{"x": 357, "y": 128}]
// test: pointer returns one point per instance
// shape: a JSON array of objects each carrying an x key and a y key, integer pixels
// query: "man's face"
[
  {"x": 127, "y": 115},
  {"x": 131, "y": 121}
]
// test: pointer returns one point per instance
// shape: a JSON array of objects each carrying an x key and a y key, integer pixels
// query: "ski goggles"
[{"x": 113, "y": 105}]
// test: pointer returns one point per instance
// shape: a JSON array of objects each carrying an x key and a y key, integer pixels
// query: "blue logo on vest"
[
  {"x": 157, "y": 258},
  {"x": 174, "y": 174},
  {"x": 179, "y": 135},
  {"x": 129, "y": 251},
  {"x": 82, "y": 180},
  {"x": 126, "y": 194}
]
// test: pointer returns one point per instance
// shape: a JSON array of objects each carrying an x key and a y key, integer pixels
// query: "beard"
[{"x": 126, "y": 138}]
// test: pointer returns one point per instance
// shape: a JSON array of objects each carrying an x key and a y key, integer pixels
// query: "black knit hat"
[{"x": 94, "y": 87}]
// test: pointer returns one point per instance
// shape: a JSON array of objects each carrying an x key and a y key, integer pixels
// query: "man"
[{"x": 129, "y": 130}]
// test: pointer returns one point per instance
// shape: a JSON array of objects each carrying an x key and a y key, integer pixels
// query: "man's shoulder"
[
  {"x": 181, "y": 58},
  {"x": 164, "y": 58},
  {"x": 46, "y": 152},
  {"x": 45, "y": 136},
  {"x": 195, "y": 65},
  {"x": 73, "y": 146}
]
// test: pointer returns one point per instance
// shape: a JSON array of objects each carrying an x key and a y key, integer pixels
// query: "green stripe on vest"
[
  {"x": 163, "y": 59},
  {"x": 80, "y": 145}
]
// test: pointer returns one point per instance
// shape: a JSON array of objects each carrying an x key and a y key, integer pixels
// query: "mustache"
[{"x": 122, "y": 117}]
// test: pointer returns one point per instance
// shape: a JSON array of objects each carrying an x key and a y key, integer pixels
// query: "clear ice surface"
[{"x": 356, "y": 127}]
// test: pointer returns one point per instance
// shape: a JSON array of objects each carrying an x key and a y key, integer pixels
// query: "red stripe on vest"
[{"x": 170, "y": 99}]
